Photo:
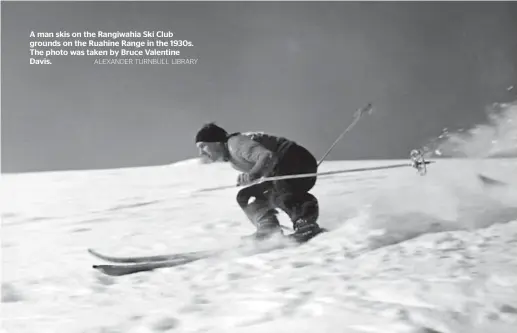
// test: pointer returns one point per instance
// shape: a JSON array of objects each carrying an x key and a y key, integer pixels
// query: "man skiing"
[{"x": 258, "y": 155}]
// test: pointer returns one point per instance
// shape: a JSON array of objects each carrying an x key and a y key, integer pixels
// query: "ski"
[
  {"x": 120, "y": 270},
  {"x": 155, "y": 258},
  {"x": 126, "y": 267},
  {"x": 131, "y": 264},
  {"x": 164, "y": 257}
]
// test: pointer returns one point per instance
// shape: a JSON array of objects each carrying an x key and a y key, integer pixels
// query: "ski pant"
[{"x": 290, "y": 195}]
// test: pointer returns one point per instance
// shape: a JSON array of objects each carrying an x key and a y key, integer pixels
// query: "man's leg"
[
  {"x": 297, "y": 205},
  {"x": 260, "y": 211},
  {"x": 303, "y": 210},
  {"x": 292, "y": 195}
]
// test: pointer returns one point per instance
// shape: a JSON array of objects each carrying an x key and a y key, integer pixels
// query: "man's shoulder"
[
  {"x": 257, "y": 135},
  {"x": 246, "y": 136},
  {"x": 239, "y": 139}
]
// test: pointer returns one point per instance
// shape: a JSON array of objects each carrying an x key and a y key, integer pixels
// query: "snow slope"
[{"x": 406, "y": 253}]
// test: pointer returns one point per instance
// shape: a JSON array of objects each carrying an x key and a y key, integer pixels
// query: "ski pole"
[
  {"x": 418, "y": 165},
  {"x": 366, "y": 109}
]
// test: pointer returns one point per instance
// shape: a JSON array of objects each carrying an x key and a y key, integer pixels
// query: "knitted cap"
[{"x": 211, "y": 133}]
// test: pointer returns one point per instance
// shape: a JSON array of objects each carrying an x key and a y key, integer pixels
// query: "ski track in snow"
[{"x": 406, "y": 253}]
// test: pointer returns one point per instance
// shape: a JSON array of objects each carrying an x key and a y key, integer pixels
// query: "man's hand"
[{"x": 246, "y": 178}]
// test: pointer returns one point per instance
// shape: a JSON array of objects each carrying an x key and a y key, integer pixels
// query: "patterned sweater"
[{"x": 246, "y": 149}]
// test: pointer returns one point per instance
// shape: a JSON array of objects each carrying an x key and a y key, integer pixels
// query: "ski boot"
[
  {"x": 266, "y": 228},
  {"x": 305, "y": 230}
]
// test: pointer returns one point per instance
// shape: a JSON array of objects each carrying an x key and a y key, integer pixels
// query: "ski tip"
[
  {"x": 490, "y": 182},
  {"x": 101, "y": 268},
  {"x": 96, "y": 254}
]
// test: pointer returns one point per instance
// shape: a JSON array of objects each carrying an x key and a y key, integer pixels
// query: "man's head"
[{"x": 210, "y": 140}]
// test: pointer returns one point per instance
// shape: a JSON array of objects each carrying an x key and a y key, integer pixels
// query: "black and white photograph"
[{"x": 254, "y": 166}]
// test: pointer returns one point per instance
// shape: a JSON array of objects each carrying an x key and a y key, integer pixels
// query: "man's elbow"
[
  {"x": 267, "y": 156},
  {"x": 268, "y": 162}
]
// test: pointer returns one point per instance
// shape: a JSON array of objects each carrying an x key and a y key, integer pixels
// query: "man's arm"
[
  {"x": 263, "y": 159},
  {"x": 265, "y": 162}
]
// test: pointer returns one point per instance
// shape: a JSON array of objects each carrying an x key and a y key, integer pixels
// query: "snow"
[{"x": 407, "y": 253}]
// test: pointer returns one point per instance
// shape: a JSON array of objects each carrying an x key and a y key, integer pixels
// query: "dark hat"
[{"x": 211, "y": 133}]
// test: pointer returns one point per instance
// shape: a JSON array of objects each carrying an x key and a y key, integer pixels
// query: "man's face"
[{"x": 214, "y": 151}]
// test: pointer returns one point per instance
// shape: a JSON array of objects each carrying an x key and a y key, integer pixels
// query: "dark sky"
[{"x": 298, "y": 69}]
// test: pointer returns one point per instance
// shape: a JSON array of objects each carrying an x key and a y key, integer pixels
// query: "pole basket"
[{"x": 418, "y": 161}]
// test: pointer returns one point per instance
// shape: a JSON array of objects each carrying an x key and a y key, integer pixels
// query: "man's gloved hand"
[{"x": 246, "y": 178}]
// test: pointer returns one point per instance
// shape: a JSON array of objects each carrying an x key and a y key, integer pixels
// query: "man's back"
[
  {"x": 247, "y": 148},
  {"x": 275, "y": 144}
]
